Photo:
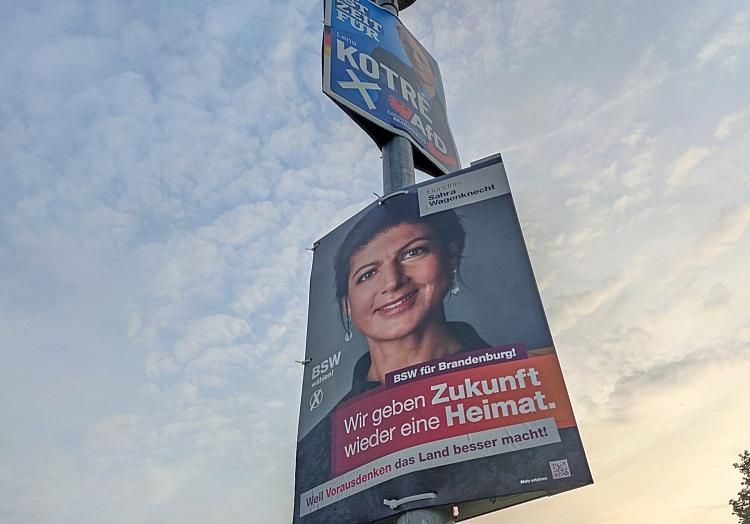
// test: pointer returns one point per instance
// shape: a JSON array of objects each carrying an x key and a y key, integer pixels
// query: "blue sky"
[{"x": 165, "y": 165}]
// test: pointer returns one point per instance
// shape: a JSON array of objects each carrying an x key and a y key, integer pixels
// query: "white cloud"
[
  {"x": 209, "y": 331},
  {"x": 680, "y": 169},
  {"x": 625, "y": 201},
  {"x": 123, "y": 433},
  {"x": 722, "y": 236},
  {"x": 641, "y": 170},
  {"x": 585, "y": 303},
  {"x": 733, "y": 36},
  {"x": 241, "y": 224},
  {"x": 578, "y": 203},
  {"x": 578, "y": 238},
  {"x": 728, "y": 125}
]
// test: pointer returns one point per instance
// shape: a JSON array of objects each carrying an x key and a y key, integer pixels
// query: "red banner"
[{"x": 453, "y": 404}]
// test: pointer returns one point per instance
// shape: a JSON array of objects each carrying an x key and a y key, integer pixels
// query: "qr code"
[{"x": 560, "y": 469}]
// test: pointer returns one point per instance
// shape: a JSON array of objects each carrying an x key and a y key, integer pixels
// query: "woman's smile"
[{"x": 398, "y": 305}]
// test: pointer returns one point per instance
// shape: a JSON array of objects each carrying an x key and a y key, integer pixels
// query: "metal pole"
[
  {"x": 398, "y": 159},
  {"x": 398, "y": 172},
  {"x": 426, "y": 516},
  {"x": 389, "y": 5},
  {"x": 398, "y": 164}
]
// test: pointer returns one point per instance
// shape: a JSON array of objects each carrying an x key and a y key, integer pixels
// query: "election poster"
[
  {"x": 431, "y": 371},
  {"x": 387, "y": 82}
]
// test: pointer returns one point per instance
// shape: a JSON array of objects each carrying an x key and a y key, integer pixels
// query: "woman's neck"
[{"x": 389, "y": 355}]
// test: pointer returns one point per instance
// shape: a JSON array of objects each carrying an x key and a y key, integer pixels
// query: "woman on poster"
[{"x": 392, "y": 274}]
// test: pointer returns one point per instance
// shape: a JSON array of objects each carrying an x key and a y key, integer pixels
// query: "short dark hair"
[{"x": 399, "y": 209}]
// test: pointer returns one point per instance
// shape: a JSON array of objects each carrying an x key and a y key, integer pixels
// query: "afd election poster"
[
  {"x": 431, "y": 369},
  {"x": 380, "y": 74}
]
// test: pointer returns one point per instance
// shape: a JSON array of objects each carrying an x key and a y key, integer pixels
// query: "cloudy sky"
[{"x": 165, "y": 165}]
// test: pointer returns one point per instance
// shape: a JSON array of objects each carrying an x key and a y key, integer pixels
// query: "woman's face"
[
  {"x": 419, "y": 60},
  {"x": 397, "y": 282}
]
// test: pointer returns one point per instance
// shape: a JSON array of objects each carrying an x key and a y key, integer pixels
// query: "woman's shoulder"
[
  {"x": 467, "y": 336},
  {"x": 360, "y": 384},
  {"x": 464, "y": 332}
]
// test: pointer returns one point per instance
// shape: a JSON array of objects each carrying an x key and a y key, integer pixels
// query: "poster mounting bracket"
[
  {"x": 382, "y": 199},
  {"x": 395, "y": 503}
]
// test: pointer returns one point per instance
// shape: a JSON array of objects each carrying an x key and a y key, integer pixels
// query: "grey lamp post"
[
  {"x": 398, "y": 159},
  {"x": 398, "y": 172}
]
